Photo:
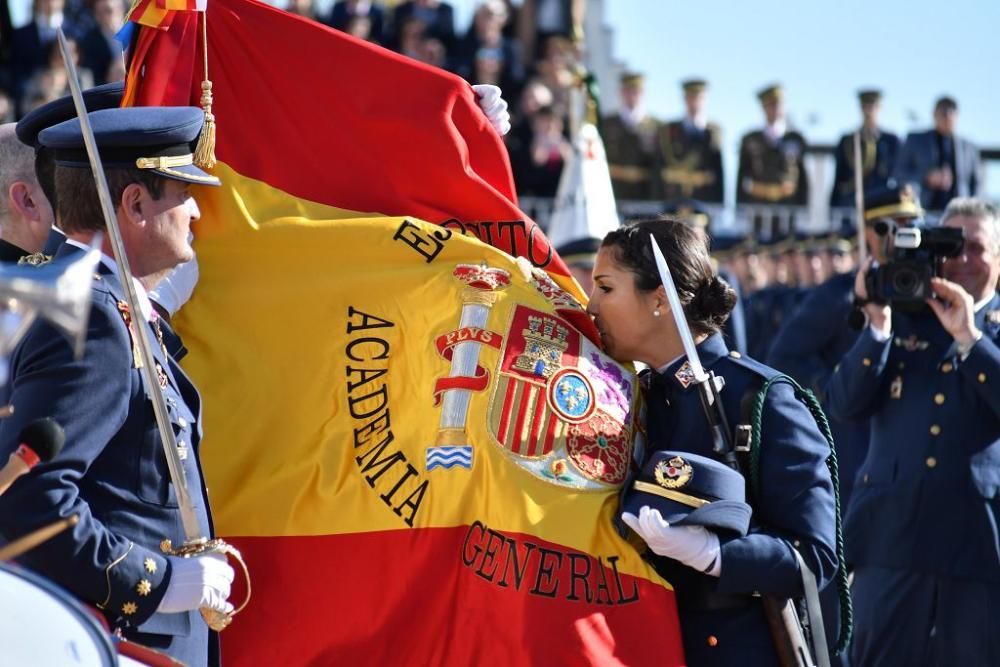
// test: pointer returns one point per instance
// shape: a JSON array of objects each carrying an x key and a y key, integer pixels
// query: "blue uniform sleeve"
[
  {"x": 795, "y": 508},
  {"x": 982, "y": 369},
  {"x": 852, "y": 392},
  {"x": 811, "y": 329},
  {"x": 89, "y": 397}
]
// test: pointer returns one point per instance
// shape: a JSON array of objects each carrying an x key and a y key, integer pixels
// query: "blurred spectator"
[
  {"x": 29, "y": 44},
  {"x": 438, "y": 17},
  {"x": 303, "y": 8},
  {"x": 362, "y": 18},
  {"x": 433, "y": 53},
  {"x": 535, "y": 96},
  {"x": 939, "y": 164},
  {"x": 538, "y": 165},
  {"x": 360, "y": 27},
  {"x": 538, "y": 20},
  {"x": 6, "y": 107},
  {"x": 630, "y": 140},
  {"x": 485, "y": 55},
  {"x": 556, "y": 69},
  {"x": 411, "y": 36},
  {"x": 52, "y": 81},
  {"x": 99, "y": 46}
]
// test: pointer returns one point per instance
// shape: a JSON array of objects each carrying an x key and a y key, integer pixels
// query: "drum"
[{"x": 43, "y": 625}]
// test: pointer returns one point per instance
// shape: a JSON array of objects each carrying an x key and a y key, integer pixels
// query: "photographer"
[{"x": 922, "y": 527}]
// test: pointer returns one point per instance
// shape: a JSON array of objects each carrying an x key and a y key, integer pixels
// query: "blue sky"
[{"x": 822, "y": 52}]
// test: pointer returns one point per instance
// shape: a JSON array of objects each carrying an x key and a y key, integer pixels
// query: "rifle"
[{"x": 783, "y": 619}]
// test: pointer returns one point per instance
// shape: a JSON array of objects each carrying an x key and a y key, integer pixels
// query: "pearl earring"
[{"x": 656, "y": 313}]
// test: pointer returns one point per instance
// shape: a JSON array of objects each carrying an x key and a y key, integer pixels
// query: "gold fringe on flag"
[{"x": 204, "y": 153}]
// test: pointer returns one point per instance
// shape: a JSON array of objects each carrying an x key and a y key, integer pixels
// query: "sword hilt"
[{"x": 217, "y": 620}]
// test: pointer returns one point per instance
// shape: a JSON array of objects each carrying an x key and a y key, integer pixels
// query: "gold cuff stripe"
[
  {"x": 670, "y": 494},
  {"x": 107, "y": 574}
]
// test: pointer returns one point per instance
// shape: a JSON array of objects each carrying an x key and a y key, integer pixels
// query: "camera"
[{"x": 915, "y": 256}]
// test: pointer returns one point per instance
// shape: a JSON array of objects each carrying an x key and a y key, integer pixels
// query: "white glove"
[
  {"x": 695, "y": 546},
  {"x": 494, "y": 106},
  {"x": 174, "y": 291},
  {"x": 202, "y": 581}
]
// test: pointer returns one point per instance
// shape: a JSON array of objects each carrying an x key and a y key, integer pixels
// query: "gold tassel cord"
[{"x": 204, "y": 153}]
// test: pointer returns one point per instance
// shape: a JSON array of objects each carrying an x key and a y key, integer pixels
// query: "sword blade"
[
  {"x": 189, "y": 519},
  {"x": 677, "y": 311}
]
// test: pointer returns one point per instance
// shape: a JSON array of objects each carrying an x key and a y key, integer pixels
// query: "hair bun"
[{"x": 713, "y": 301}]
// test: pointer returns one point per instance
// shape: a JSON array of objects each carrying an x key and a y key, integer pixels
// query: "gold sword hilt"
[{"x": 217, "y": 620}]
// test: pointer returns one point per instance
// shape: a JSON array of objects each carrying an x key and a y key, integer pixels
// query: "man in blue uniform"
[
  {"x": 112, "y": 471},
  {"x": 922, "y": 528},
  {"x": 879, "y": 152},
  {"x": 817, "y": 336}
]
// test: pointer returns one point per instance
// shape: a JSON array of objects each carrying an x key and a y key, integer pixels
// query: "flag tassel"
[{"x": 204, "y": 153}]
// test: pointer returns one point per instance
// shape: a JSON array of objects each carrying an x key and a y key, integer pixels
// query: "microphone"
[{"x": 40, "y": 441}]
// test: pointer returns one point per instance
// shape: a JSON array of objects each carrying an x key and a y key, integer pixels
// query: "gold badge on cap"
[{"x": 673, "y": 474}]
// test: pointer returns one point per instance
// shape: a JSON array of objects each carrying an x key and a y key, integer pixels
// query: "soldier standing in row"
[
  {"x": 771, "y": 169},
  {"x": 690, "y": 151},
  {"x": 879, "y": 153},
  {"x": 629, "y": 139}
]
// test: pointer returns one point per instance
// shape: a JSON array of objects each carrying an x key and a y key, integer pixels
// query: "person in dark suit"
[
  {"x": 345, "y": 11},
  {"x": 98, "y": 46},
  {"x": 30, "y": 43},
  {"x": 939, "y": 164},
  {"x": 437, "y": 17},
  {"x": 921, "y": 530},
  {"x": 112, "y": 471},
  {"x": 690, "y": 151},
  {"x": 715, "y": 574},
  {"x": 629, "y": 139},
  {"x": 879, "y": 153}
]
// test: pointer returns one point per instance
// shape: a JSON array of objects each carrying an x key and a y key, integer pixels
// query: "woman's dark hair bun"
[{"x": 712, "y": 303}]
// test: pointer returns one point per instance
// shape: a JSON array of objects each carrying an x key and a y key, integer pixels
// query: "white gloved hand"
[
  {"x": 201, "y": 581},
  {"x": 175, "y": 290},
  {"x": 494, "y": 106},
  {"x": 695, "y": 546}
]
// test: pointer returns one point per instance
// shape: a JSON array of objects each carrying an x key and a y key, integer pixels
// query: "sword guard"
[{"x": 216, "y": 619}]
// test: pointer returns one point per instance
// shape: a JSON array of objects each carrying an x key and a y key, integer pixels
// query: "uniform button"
[
  {"x": 866, "y": 361},
  {"x": 735, "y": 355},
  {"x": 182, "y": 422},
  {"x": 866, "y": 479},
  {"x": 902, "y": 365},
  {"x": 931, "y": 462},
  {"x": 935, "y": 429},
  {"x": 939, "y": 398},
  {"x": 982, "y": 378},
  {"x": 946, "y": 367},
  {"x": 713, "y": 640}
]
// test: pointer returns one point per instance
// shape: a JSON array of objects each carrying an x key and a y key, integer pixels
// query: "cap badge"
[{"x": 673, "y": 474}]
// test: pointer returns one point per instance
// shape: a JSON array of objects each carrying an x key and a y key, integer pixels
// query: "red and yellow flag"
[{"x": 410, "y": 433}]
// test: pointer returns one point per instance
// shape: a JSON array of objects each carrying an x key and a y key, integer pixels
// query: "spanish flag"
[{"x": 410, "y": 431}]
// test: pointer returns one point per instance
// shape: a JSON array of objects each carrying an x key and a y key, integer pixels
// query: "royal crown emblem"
[{"x": 673, "y": 474}]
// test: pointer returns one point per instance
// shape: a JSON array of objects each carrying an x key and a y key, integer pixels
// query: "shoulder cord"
[{"x": 811, "y": 402}]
